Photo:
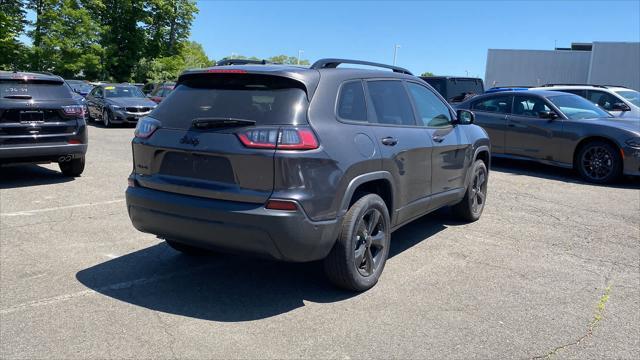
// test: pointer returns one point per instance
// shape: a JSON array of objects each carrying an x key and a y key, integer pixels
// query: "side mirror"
[
  {"x": 547, "y": 115},
  {"x": 619, "y": 106},
  {"x": 465, "y": 117}
]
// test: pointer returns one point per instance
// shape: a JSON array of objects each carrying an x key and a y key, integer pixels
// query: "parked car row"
[{"x": 320, "y": 163}]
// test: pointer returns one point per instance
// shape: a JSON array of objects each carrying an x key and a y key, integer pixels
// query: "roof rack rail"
[
  {"x": 620, "y": 86},
  {"x": 333, "y": 63},
  {"x": 241, "y": 62},
  {"x": 561, "y": 84}
]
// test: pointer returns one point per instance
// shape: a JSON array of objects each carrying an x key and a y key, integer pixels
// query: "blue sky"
[{"x": 443, "y": 37}]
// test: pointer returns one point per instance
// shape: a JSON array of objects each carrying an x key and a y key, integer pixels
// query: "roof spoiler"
[
  {"x": 334, "y": 63},
  {"x": 241, "y": 62}
]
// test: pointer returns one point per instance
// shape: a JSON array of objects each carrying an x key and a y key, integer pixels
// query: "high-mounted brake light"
[
  {"x": 287, "y": 138},
  {"x": 146, "y": 127},
  {"x": 227, "y": 71}
]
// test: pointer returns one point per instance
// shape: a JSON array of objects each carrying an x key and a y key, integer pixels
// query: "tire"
[
  {"x": 73, "y": 168},
  {"x": 361, "y": 250},
  {"x": 106, "y": 118},
  {"x": 470, "y": 208},
  {"x": 599, "y": 162},
  {"x": 187, "y": 249}
]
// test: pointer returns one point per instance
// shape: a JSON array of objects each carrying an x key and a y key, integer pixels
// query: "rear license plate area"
[
  {"x": 196, "y": 166},
  {"x": 31, "y": 116}
]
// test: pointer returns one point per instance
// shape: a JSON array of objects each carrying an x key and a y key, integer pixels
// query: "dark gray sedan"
[
  {"x": 121, "y": 103},
  {"x": 559, "y": 129}
]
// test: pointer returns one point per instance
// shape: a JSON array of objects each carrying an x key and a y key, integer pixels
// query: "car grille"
[{"x": 138, "y": 109}]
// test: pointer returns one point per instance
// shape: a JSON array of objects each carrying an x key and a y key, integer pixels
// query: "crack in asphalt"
[{"x": 597, "y": 318}]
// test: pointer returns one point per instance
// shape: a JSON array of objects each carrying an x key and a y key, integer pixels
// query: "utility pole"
[
  {"x": 395, "y": 53},
  {"x": 300, "y": 52}
]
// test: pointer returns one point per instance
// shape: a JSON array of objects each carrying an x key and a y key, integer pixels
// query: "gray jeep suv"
[{"x": 302, "y": 164}]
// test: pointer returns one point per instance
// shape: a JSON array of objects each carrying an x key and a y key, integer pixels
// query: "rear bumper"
[
  {"x": 231, "y": 226},
  {"x": 631, "y": 161},
  {"x": 25, "y": 152}
]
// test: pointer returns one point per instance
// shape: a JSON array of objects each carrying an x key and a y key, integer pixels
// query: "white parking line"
[
  {"x": 112, "y": 287},
  {"x": 36, "y": 211}
]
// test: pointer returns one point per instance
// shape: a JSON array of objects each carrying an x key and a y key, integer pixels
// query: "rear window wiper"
[
  {"x": 17, "y": 97},
  {"x": 210, "y": 123}
]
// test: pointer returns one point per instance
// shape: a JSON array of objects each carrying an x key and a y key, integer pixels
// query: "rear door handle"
[
  {"x": 438, "y": 139},
  {"x": 389, "y": 141}
]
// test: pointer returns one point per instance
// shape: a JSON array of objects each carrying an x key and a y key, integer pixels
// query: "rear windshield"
[
  {"x": 459, "y": 89},
  {"x": 34, "y": 89},
  {"x": 265, "y": 99}
]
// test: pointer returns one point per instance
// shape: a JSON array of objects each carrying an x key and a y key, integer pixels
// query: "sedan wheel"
[
  {"x": 106, "y": 118},
  {"x": 599, "y": 162}
]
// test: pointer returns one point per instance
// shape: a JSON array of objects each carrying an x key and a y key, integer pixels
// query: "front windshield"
[
  {"x": 631, "y": 96},
  {"x": 576, "y": 107},
  {"x": 122, "y": 92}
]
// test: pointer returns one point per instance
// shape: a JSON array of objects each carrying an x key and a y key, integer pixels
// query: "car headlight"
[
  {"x": 633, "y": 142},
  {"x": 115, "y": 107}
]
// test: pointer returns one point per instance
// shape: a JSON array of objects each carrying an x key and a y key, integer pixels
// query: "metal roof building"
[{"x": 604, "y": 63}]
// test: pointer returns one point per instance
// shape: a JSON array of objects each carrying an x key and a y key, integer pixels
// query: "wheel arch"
[
  {"x": 379, "y": 182},
  {"x": 587, "y": 139}
]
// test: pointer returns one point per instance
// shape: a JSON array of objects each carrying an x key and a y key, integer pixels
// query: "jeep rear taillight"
[
  {"x": 286, "y": 138},
  {"x": 73, "y": 110}
]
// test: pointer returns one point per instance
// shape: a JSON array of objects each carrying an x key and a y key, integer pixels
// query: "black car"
[
  {"x": 118, "y": 104},
  {"x": 41, "y": 122},
  {"x": 455, "y": 89},
  {"x": 559, "y": 129},
  {"x": 302, "y": 164}
]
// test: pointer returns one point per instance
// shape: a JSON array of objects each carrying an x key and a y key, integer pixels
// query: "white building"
[{"x": 603, "y": 63}]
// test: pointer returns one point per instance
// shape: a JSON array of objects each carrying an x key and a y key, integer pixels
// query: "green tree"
[
  {"x": 284, "y": 59},
  {"x": 12, "y": 24},
  {"x": 168, "y": 68},
  {"x": 428, "y": 73},
  {"x": 65, "y": 38},
  {"x": 168, "y": 24},
  {"x": 122, "y": 36}
]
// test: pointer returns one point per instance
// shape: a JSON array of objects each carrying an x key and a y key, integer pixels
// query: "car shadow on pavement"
[
  {"x": 530, "y": 168},
  {"x": 227, "y": 288},
  {"x": 22, "y": 175}
]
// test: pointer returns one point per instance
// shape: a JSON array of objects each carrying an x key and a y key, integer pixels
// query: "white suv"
[{"x": 618, "y": 100}]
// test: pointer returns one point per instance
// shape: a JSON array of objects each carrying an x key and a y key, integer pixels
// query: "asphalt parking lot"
[{"x": 552, "y": 269}]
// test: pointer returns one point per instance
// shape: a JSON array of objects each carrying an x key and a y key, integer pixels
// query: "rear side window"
[
  {"x": 351, "y": 103},
  {"x": 391, "y": 102},
  {"x": 37, "y": 90},
  {"x": 265, "y": 99},
  {"x": 499, "y": 104}
]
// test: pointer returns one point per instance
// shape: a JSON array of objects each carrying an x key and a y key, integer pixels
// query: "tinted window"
[
  {"x": 391, "y": 103},
  {"x": 529, "y": 106},
  {"x": 39, "y": 90},
  {"x": 461, "y": 89},
  {"x": 264, "y": 99},
  {"x": 603, "y": 99},
  {"x": 436, "y": 83},
  {"x": 498, "y": 104},
  {"x": 575, "y": 107},
  {"x": 351, "y": 105},
  {"x": 431, "y": 110},
  {"x": 122, "y": 91}
]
